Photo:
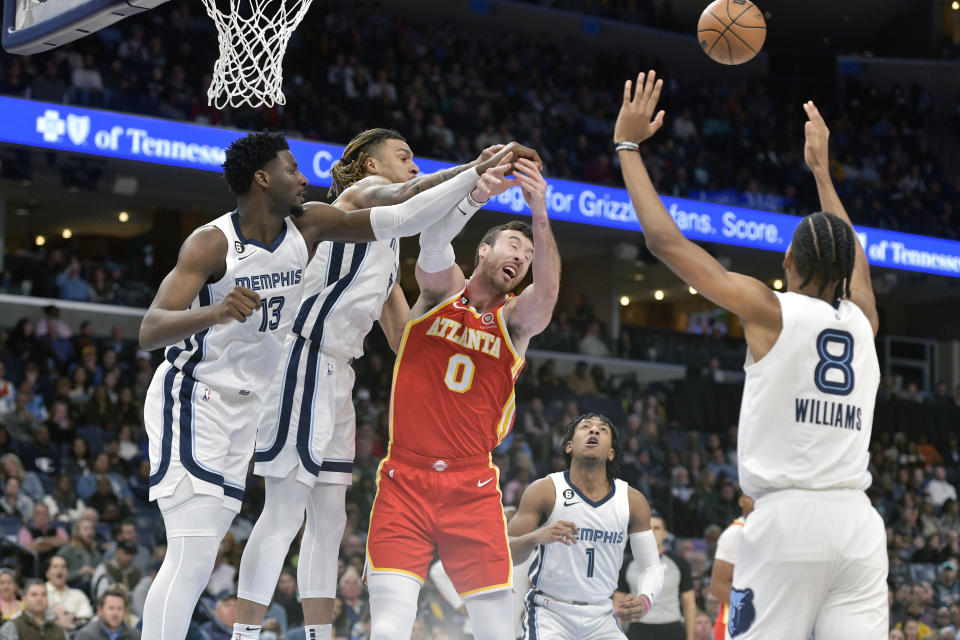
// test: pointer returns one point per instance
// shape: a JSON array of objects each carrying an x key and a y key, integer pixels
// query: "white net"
[{"x": 253, "y": 36}]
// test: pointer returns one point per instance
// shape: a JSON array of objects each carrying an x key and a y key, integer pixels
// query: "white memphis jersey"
[
  {"x": 588, "y": 571},
  {"x": 807, "y": 409},
  {"x": 244, "y": 356},
  {"x": 345, "y": 286}
]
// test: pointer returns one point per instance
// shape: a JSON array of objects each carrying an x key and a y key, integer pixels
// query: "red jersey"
[{"x": 453, "y": 382}]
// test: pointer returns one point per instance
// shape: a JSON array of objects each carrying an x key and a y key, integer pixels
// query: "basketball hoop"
[{"x": 253, "y": 36}]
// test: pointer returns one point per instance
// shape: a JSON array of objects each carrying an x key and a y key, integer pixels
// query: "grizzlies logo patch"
[{"x": 742, "y": 612}]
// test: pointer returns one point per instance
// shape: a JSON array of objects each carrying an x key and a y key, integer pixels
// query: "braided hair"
[
  {"x": 247, "y": 155},
  {"x": 350, "y": 167},
  {"x": 613, "y": 466},
  {"x": 824, "y": 250}
]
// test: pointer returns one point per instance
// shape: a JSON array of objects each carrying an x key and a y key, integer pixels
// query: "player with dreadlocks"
[
  {"x": 813, "y": 556},
  {"x": 306, "y": 435},
  {"x": 222, "y": 313},
  {"x": 594, "y": 515}
]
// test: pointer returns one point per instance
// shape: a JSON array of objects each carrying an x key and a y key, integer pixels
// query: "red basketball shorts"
[{"x": 451, "y": 507}]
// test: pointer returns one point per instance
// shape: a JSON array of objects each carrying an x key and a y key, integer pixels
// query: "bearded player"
[{"x": 452, "y": 403}]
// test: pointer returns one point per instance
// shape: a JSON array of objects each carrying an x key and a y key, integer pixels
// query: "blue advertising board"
[{"x": 193, "y": 146}]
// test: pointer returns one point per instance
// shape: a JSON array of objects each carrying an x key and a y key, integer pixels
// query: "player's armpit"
[
  {"x": 202, "y": 258},
  {"x": 753, "y": 301},
  {"x": 437, "y": 287}
]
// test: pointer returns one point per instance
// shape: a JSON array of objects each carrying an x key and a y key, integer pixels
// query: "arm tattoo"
[{"x": 401, "y": 192}]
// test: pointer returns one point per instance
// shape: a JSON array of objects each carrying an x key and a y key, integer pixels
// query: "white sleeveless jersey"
[
  {"x": 807, "y": 409},
  {"x": 244, "y": 356},
  {"x": 345, "y": 286},
  {"x": 589, "y": 570}
]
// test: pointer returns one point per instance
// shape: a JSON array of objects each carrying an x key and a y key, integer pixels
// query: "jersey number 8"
[{"x": 840, "y": 382}]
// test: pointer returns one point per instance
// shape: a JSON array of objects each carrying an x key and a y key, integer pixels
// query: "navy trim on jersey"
[
  {"x": 306, "y": 410},
  {"x": 173, "y": 353},
  {"x": 233, "y": 492},
  {"x": 286, "y": 404},
  {"x": 235, "y": 217},
  {"x": 530, "y": 620},
  {"x": 359, "y": 253},
  {"x": 333, "y": 274},
  {"x": 536, "y": 567},
  {"x": 166, "y": 440},
  {"x": 336, "y": 466},
  {"x": 613, "y": 490}
]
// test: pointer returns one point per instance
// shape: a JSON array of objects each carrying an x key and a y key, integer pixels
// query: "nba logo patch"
[
  {"x": 487, "y": 319},
  {"x": 742, "y": 611},
  {"x": 206, "y": 394},
  {"x": 238, "y": 246},
  {"x": 329, "y": 369}
]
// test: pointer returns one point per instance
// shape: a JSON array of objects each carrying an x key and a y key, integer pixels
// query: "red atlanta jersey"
[{"x": 453, "y": 382}]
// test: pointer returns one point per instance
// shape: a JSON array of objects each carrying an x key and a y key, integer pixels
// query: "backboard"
[{"x": 32, "y": 26}]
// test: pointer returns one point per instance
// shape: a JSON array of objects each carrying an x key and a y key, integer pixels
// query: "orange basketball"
[{"x": 731, "y": 31}]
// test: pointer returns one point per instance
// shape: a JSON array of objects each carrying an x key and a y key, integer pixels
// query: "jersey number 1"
[
  {"x": 590, "y": 553},
  {"x": 840, "y": 382},
  {"x": 459, "y": 376}
]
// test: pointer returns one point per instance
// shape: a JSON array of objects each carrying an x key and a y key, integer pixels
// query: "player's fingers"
[
  {"x": 638, "y": 90},
  {"x": 655, "y": 96},
  {"x": 626, "y": 91},
  {"x": 648, "y": 86},
  {"x": 248, "y": 293}
]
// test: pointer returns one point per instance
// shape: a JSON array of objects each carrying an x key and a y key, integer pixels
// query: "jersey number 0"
[{"x": 459, "y": 376}]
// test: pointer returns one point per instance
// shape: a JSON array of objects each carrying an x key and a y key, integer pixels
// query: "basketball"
[{"x": 731, "y": 31}]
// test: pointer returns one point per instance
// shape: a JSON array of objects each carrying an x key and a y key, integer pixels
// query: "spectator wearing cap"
[
  {"x": 119, "y": 570},
  {"x": 63, "y": 602},
  {"x": 41, "y": 534},
  {"x": 32, "y": 624},
  {"x": 224, "y": 617},
  {"x": 947, "y": 587},
  {"x": 112, "y": 609},
  {"x": 127, "y": 531}
]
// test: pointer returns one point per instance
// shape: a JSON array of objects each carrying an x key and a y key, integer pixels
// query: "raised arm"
[
  {"x": 529, "y": 313},
  {"x": 745, "y": 296},
  {"x": 535, "y": 506},
  {"x": 168, "y": 320},
  {"x": 438, "y": 274},
  {"x": 324, "y": 222},
  {"x": 817, "y": 154},
  {"x": 374, "y": 191}
]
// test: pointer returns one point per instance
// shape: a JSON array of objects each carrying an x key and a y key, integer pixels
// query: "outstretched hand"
[
  {"x": 493, "y": 182},
  {"x": 636, "y": 121},
  {"x": 815, "y": 150},
  {"x": 532, "y": 183}
]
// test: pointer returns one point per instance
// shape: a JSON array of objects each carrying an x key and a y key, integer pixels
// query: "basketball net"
[{"x": 253, "y": 37}]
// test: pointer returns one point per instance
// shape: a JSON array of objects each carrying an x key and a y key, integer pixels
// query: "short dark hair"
[
  {"x": 825, "y": 250},
  {"x": 490, "y": 237},
  {"x": 118, "y": 591},
  {"x": 247, "y": 155},
  {"x": 613, "y": 466},
  {"x": 29, "y": 582}
]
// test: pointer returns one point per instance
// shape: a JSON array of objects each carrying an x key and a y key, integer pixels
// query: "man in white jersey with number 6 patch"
[
  {"x": 223, "y": 313},
  {"x": 593, "y": 515},
  {"x": 813, "y": 557}
]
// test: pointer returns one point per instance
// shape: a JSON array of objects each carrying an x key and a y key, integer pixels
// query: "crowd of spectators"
[
  {"x": 442, "y": 87},
  {"x": 75, "y": 474}
]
